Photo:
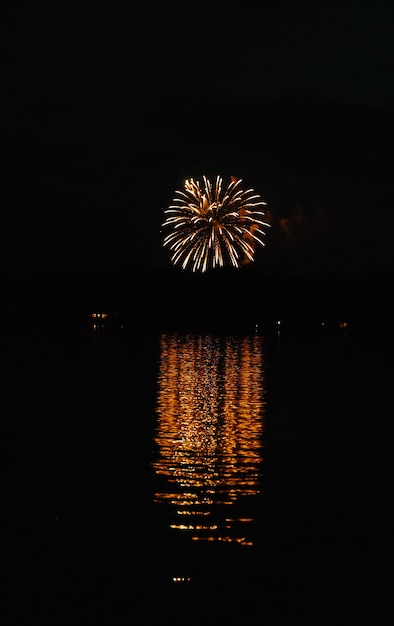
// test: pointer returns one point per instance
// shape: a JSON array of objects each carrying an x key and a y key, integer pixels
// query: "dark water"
[{"x": 184, "y": 478}]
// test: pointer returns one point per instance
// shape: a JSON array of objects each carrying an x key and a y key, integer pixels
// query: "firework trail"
[{"x": 212, "y": 225}]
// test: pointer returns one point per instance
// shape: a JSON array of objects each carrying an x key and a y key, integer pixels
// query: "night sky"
[{"x": 108, "y": 107}]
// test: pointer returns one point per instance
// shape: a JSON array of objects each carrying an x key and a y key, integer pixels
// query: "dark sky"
[{"x": 108, "y": 107}]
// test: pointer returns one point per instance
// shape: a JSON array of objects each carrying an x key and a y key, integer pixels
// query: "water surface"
[{"x": 193, "y": 477}]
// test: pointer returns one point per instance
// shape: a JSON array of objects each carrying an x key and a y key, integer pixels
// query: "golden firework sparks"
[{"x": 212, "y": 225}]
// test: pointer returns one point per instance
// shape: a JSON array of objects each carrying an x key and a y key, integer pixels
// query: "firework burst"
[{"x": 212, "y": 225}]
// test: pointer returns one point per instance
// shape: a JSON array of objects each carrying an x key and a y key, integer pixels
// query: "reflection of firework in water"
[{"x": 212, "y": 225}]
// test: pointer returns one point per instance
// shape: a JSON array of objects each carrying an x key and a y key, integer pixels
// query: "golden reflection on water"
[{"x": 209, "y": 433}]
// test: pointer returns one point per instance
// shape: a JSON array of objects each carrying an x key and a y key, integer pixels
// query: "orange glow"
[{"x": 210, "y": 410}]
